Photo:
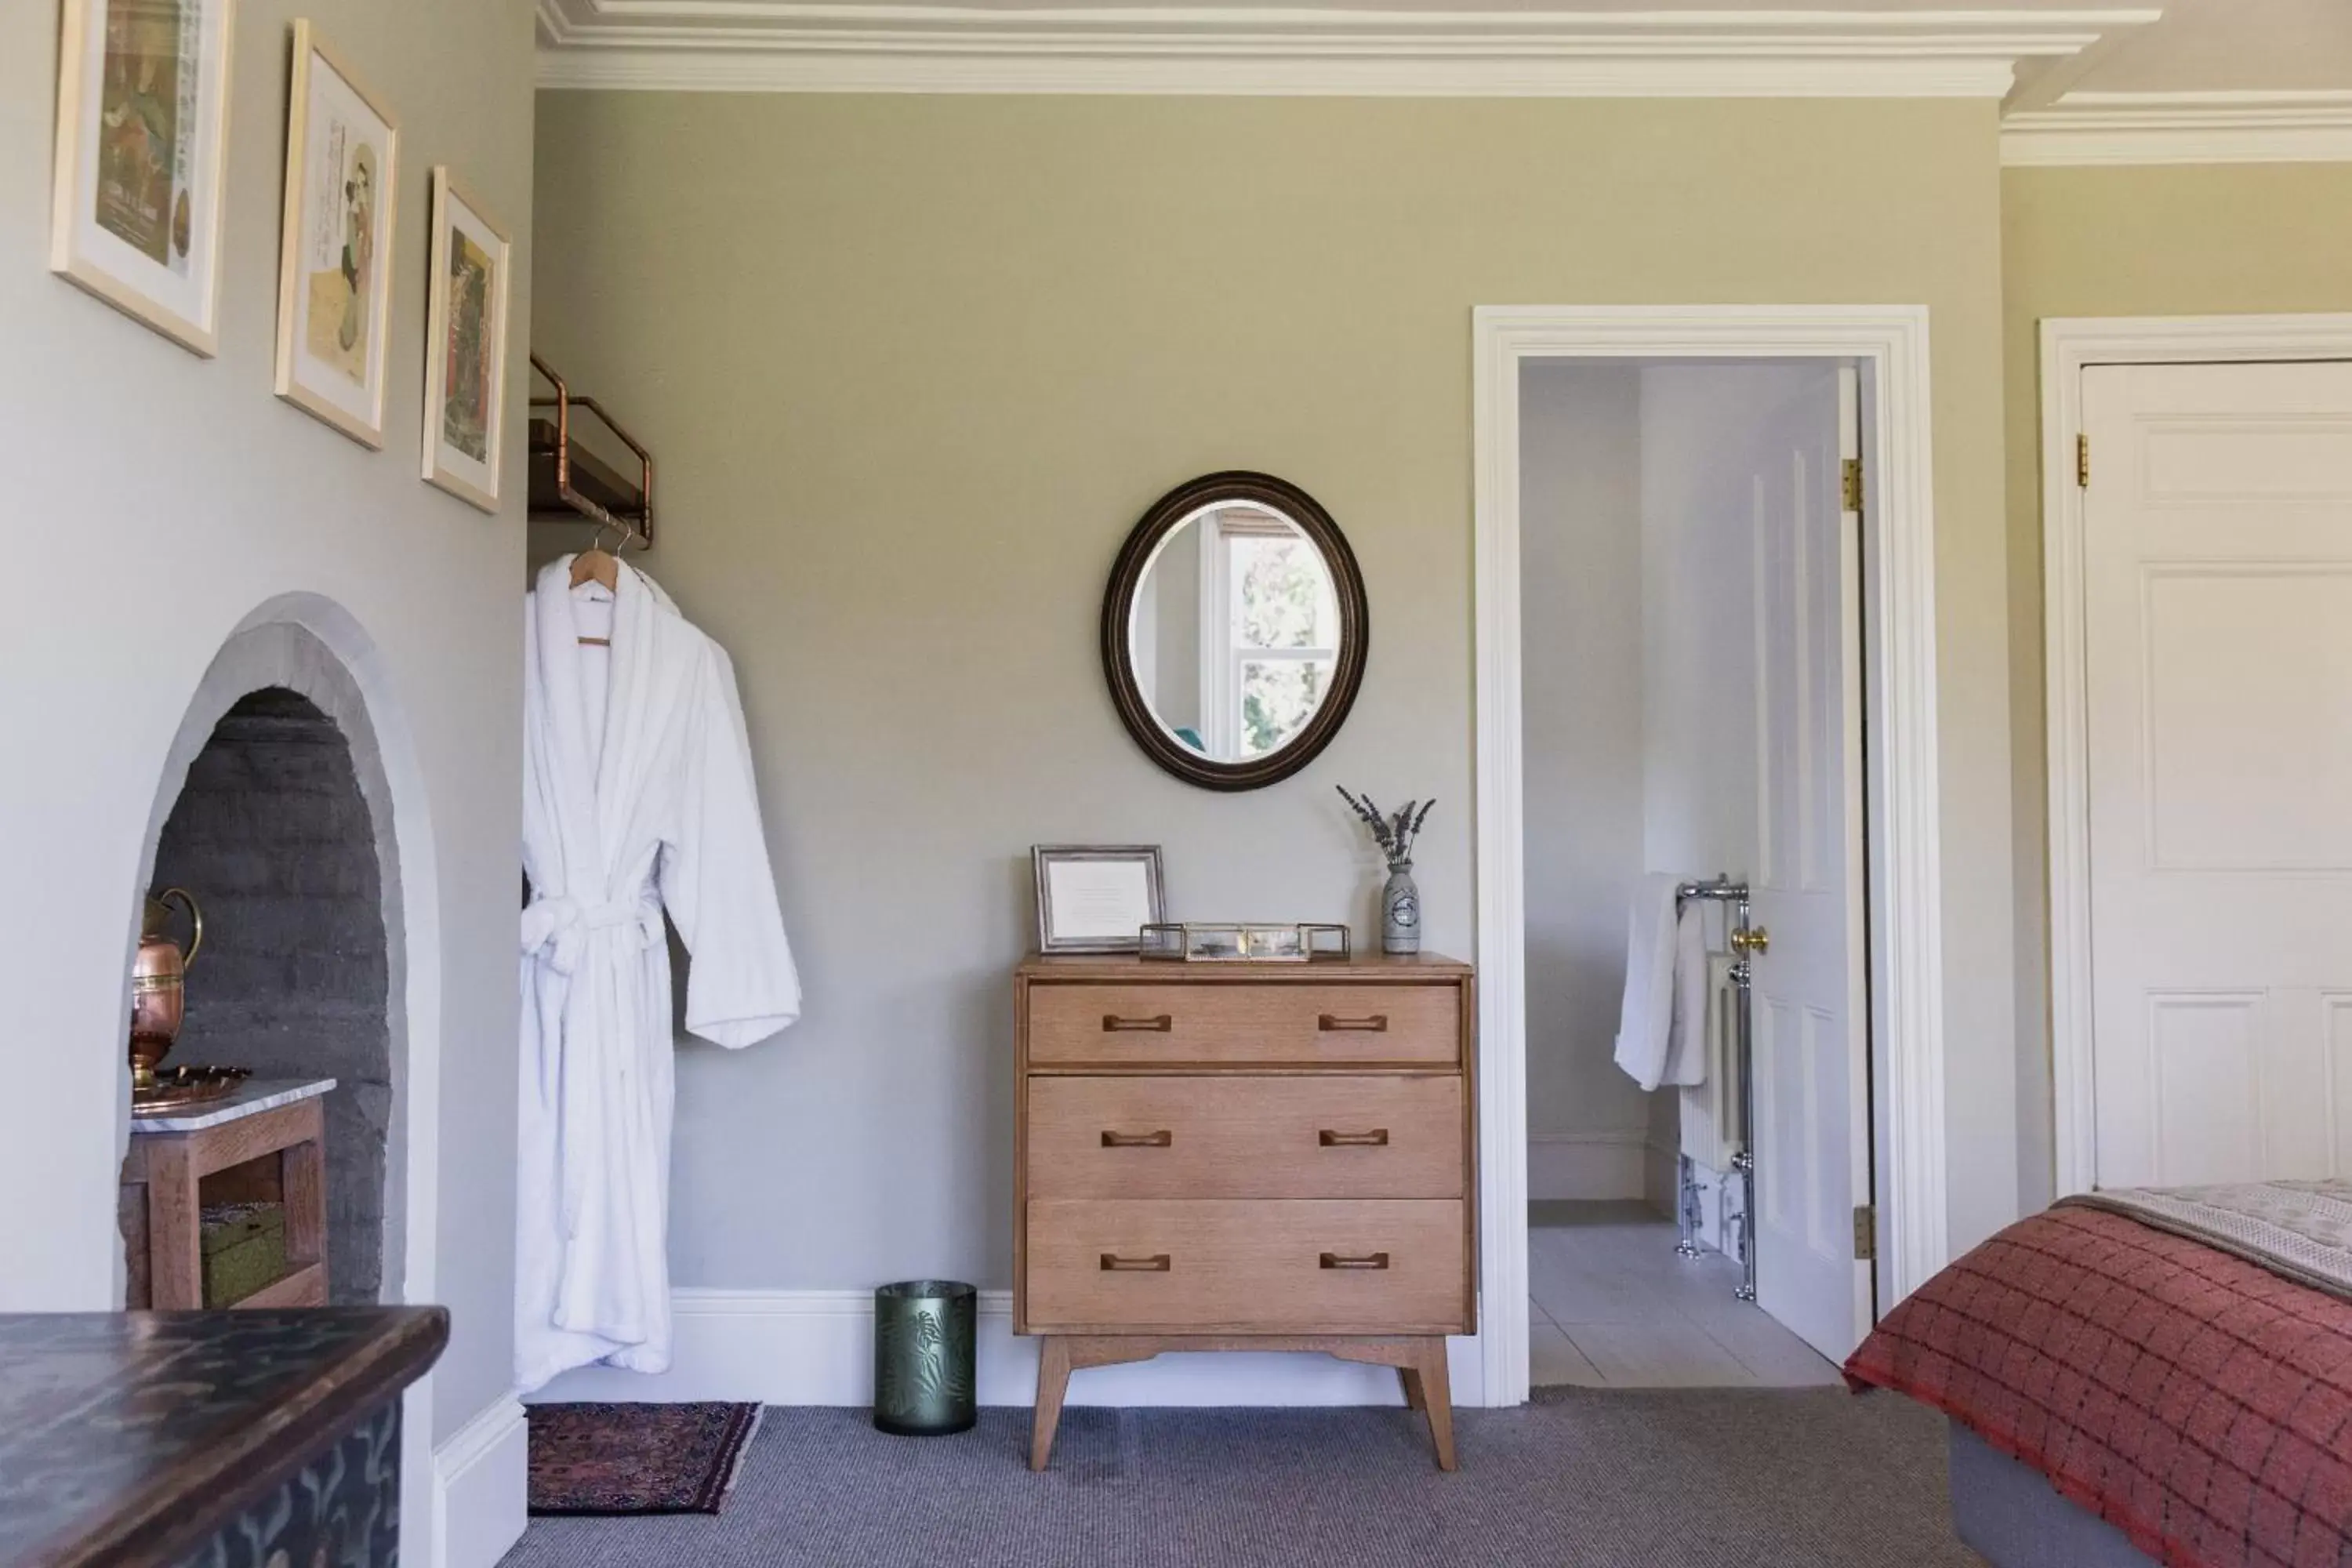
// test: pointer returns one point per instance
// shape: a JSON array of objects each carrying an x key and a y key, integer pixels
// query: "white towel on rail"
[{"x": 1662, "y": 1028}]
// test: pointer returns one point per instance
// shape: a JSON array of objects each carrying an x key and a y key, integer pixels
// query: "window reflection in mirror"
[{"x": 1235, "y": 631}]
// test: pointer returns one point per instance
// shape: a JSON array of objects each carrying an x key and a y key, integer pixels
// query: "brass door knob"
[{"x": 1749, "y": 941}]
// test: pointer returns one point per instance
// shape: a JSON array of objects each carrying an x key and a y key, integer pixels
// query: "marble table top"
[
  {"x": 251, "y": 1097},
  {"x": 129, "y": 1436}
]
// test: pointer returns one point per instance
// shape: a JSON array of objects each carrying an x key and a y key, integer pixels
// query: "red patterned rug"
[{"x": 637, "y": 1458}]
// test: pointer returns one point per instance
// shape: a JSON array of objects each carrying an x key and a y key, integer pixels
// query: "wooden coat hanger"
[{"x": 597, "y": 565}]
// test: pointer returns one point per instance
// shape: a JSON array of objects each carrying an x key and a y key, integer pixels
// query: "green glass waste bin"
[{"x": 926, "y": 1335}]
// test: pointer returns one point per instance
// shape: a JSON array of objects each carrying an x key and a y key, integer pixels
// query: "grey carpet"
[{"x": 1591, "y": 1477}]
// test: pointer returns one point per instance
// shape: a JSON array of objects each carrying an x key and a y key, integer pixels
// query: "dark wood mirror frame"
[{"x": 1166, "y": 514}]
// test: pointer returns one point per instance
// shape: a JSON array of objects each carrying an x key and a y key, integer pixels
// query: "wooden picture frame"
[
  {"x": 336, "y": 256},
  {"x": 472, "y": 271},
  {"x": 140, "y": 171},
  {"x": 1081, "y": 920}
]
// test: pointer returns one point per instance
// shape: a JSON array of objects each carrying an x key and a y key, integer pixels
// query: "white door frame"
[
  {"x": 2069, "y": 346},
  {"x": 1892, "y": 342}
]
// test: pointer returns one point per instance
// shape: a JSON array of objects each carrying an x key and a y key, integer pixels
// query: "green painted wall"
[{"x": 914, "y": 365}]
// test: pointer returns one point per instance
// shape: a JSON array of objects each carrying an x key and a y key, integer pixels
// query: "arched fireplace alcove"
[
  {"x": 276, "y": 811},
  {"x": 271, "y": 833}
]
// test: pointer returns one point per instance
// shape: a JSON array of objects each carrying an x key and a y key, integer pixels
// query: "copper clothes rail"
[{"x": 570, "y": 483}]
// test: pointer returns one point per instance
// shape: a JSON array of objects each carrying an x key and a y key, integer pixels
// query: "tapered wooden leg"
[
  {"x": 1437, "y": 1392},
  {"x": 1413, "y": 1396},
  {"x": 1053, "y": 1383}
]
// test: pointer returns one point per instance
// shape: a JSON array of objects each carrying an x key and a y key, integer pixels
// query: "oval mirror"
[{"x": 1234, "y": 630}]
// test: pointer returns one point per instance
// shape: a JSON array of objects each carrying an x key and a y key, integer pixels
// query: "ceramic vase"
[{"x": 1400, "y": 910}]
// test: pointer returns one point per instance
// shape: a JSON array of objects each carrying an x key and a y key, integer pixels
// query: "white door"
[
  {"x": 2218, "y": 600},
  {"x": 1809, "y": 1009}
]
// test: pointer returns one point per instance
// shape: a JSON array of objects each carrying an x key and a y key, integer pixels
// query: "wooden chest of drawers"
[{"x": 1245, "y": 1157}]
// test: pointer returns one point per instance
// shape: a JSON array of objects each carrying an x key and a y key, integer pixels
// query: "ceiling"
[
  {"x": 2280, "y": 66},
  {"x": 2225, "y": 45}
]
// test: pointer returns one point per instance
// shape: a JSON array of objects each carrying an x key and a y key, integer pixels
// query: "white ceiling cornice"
[
  {"x": 2105, "y": 128},
  {"x": 786, "y": 46}
]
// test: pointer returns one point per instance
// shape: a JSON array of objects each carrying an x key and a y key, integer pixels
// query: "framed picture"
[
  {"x": 1096, "y": 898},
  {"x": 334, "y": 278},
  {"x": 464, "y": 345},
  {"x": 142, "y": 151}
]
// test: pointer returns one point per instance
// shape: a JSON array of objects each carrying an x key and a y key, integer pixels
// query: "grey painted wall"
[
  {"x": 1581, "y": 694},
  {"x": 156, "y": 501}
]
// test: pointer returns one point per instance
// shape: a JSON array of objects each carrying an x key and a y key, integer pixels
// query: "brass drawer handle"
[
  {"x": 1159, "y": 1024},
  {"x": 1332, "y": 1024},
  {"x": 1160, "y": 1140},
  {"x": 1377, "y": 1138},
  {"x": 1158, "y": 1263},
  {"x": 1368, "y": 1260}
]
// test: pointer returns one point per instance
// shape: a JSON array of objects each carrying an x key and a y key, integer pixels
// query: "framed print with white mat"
[
  {"x": 334, "y": 284},
  {"x": 142, "y": 145},
  {"x": 466, "y": 344}
]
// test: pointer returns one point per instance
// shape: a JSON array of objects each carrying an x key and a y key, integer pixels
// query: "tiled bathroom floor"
[{"x": 1615, "y": 1308}]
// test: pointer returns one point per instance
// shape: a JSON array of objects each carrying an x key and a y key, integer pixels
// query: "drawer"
[
  {"x": 1241, "y": 1266},
  {"x": 1329, "y": 1135},
  {"x": 1242, "y": 1022}
]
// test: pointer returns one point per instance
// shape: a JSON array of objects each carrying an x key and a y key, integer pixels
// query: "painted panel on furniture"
[{"x": 343, "y": 1508}]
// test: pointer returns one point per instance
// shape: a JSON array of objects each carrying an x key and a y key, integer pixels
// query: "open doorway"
[
  {"x": 1888, "y": 346},
  {"x": 1696, "y": 911}
]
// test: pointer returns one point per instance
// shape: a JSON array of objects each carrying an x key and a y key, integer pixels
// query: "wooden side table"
[
  {"x": 1245, "y": 1157},
  {"x": 266, "y": 1143}
]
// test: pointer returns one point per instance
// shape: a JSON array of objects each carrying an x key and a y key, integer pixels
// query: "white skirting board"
[
  {"x": 480, "y": 1490},
  {"x": 1588, "y": 1165},
  {"x": 817, "y": 1347}
]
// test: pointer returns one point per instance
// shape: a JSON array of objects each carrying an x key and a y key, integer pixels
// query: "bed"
[{"x": 2148, "y": 1375}]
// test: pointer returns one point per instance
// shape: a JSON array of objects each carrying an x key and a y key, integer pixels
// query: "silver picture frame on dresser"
[{"x": 1096, "y": 898}]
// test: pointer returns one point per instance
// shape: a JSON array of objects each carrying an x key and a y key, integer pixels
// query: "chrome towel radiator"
[{"x": 1746, "y": 940}]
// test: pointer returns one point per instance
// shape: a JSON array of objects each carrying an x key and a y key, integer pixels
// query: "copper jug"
[{"x": 158, "y": 992}]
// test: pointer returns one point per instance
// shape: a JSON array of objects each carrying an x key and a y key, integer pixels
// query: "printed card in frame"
[
  {"x": 142, "y": 155},
  {"x": 466, "y": 345},
  {"x": 1096, "y": 898},
  {"x": 334, "y": 284}
]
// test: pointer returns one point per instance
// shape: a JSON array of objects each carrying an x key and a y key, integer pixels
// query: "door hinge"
[
  {"x": 2083, "y": 462},
  {"x": 1866, "y": 1233},
  {"x": 1852, "y": 484}
]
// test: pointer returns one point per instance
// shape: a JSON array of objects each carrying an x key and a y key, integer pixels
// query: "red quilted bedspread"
[{"x": 2200, "y": 1403}]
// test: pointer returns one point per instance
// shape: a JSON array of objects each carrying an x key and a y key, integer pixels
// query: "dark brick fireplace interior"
[{"x": 273, "y": 836}]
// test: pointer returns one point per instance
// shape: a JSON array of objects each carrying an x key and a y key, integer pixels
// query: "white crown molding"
[
  {"x": 2109, "y": 128},
  {"x": 788, "y": 46}
]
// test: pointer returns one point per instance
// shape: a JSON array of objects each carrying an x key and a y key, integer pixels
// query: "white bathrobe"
[{"x": 638, "y": 798}]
